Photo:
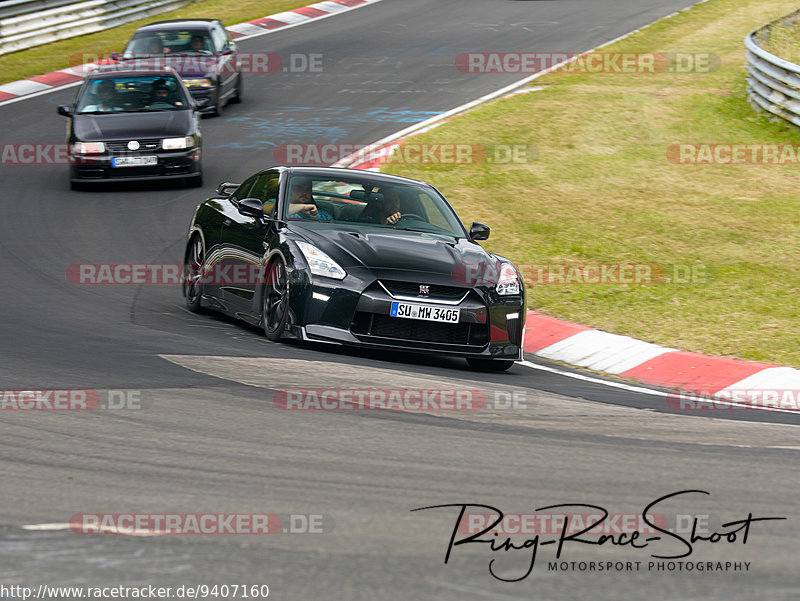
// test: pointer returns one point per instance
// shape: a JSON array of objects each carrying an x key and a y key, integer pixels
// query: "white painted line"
[
  {"x": 642, "y": 389},
  {"x": 586, "y": 378},
  {"x": 53, "y": 526},
  {"x": 66, "y": 526}
]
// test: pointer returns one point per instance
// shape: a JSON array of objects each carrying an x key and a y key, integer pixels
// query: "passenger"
[
  {"x": 301, "y": 202},
  {"x": 107, "y": 99}
]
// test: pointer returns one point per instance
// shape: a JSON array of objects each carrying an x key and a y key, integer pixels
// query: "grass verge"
[
  {"x": 62, "y": 54},
  {"x": 603, "y": 190}
]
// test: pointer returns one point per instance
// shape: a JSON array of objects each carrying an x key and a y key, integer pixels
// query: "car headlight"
[
  {"x": 197, "y": 82},
  {"x": 177, "y": 143},
  {"x": 508, "y": 283},
  {"x": 88, "y": 148},
  {"x": 320, "y": 263}
]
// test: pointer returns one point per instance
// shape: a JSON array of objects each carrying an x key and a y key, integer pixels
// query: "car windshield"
[
  {"x": 373, "y": 204},
  {"x": 171, "y": 42},
  {"x": 133, "y": 94}
]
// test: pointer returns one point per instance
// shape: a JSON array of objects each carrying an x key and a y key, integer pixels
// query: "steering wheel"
[{"x": 409, "y": 216}]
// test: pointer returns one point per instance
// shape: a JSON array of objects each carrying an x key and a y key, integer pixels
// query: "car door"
[{"x": 245, "y": 240}]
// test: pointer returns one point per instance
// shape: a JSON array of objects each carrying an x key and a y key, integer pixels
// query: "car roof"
[{"x": 171, "y": 24}]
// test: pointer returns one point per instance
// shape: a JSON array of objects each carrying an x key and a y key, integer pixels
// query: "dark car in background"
[
  {"x": 199, "y": 49},
  {"x": 355, "y": 258},
  {"x": 131, "y": 126}
]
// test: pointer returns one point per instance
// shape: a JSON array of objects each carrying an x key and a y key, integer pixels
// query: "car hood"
[
  {"x": 116, "y": 126},
  {"x": 389, "y": 251}
]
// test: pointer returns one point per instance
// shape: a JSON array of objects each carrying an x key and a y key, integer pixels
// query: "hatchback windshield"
[
  {"x": 159, "y": 43},
  {"x": 377, "y": 204},
  {"x": 133, "y": 94}
]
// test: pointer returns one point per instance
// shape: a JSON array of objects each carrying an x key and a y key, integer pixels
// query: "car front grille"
[{"x": 145, "y": 146}]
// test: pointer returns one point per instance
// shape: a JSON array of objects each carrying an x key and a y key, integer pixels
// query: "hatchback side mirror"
[
  {"x": 65, "y": 110},
  {"x": 479, "y": 231},
  {"x": 251, "y": 207}
]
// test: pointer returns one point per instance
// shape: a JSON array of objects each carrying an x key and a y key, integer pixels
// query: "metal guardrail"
[
  {"x": 29, "y": 23},
  {"x": 773, "y": 83}
]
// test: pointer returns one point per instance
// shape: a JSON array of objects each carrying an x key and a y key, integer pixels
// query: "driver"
[
  {"x": 301, "y": 203},
  {"x": 385, "y": 210},
  {"x": 160, "y": 92}
]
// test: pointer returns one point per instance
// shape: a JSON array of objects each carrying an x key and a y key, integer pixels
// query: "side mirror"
[
  {"x": 251, "y": 207},
  {"x": 202, "y": 103},
  {"x": 479, "y": 231},
  {"x": 116, "y": 56},
  {"x": 226, "y": 188},
  {"x": 65, "y": 110}
]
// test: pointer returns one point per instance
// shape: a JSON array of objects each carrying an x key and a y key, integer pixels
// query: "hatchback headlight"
[
  {"x": 320, "y": 263},
  {"x": 88, "y": 148},
  {"x": 508, "y": 283},
  {"x": 177, "y": 143}
]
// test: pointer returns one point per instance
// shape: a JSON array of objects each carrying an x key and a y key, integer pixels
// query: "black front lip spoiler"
[{"x": 318, "y": 333}]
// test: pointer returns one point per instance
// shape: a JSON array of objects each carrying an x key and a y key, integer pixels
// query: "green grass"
[
  {"x": 602, "y": 190},
  {"x": 63, "y": 54}
]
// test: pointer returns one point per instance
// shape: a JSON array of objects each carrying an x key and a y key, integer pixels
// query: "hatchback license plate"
[
  {"x": 426, "y": 312},
  {"x": 134, "y": 161}
]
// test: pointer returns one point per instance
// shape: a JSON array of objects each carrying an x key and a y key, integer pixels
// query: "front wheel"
[
  {"x": 275, "y": 311},
  {"x": 193, "y": 275},
  {"x": 490, "y": 364}
]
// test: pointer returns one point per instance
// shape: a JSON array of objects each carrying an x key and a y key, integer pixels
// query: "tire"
[
  {"x": 275, "y": 301},
  {"x": 237, "y": 97},
  {"x": 490, "y": 364},
  {"x": 192, "y": 274}
]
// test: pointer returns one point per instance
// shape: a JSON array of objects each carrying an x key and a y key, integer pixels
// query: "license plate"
[
  {"x": 133, "y": 161},
  {"x": 426, "y": 312}
]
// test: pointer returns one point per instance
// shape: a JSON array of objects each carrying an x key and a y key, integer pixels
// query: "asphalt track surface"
[{"x": 207, "y": 437}]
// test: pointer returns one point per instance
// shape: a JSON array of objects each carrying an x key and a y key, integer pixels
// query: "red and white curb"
[
  {"x": 41, "y": 84},
  {"x": 579, "y": 345}
]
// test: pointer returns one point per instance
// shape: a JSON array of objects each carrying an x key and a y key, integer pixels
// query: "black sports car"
[
  {"x": 201, "y": 50},
  {"x": 354, "y": 257},
  {"x": 133, "y": 125}
]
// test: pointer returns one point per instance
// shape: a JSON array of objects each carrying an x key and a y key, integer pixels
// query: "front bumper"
[
  {"x": 487, "y": 328},
  {"x": 171, "y": 164}
]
